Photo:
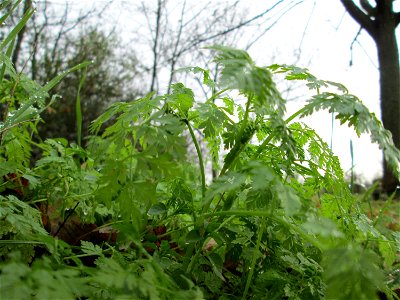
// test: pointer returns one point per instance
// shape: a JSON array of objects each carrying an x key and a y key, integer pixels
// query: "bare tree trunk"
[
  {"x": 388, "y": 56},
  {"x": 380, "y": 22},
  {"x": 155, "y": 46},
  {"x": 174, "y": 56}
]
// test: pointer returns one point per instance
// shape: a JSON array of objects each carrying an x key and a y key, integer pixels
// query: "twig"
[{"x": 66, "y": 219}]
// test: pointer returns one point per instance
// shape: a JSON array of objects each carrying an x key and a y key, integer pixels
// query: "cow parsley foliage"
[{"x": 131, "y": 215}]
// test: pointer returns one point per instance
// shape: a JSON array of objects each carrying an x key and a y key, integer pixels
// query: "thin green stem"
[
  {"x": 238, "y": 145},
  {"x": 240, "y": 213},
  {"x": 21, "y": 242},
  {"x": 246, "y": 117},
  {"x": 263, "y": 145},
  {"x": 216, "y": 95},
  {"x": 271, "y": 136},
  {"x": 295, "y": 115},
  {"x": 193, "y": 260},
  {"x": 248, "y": 213},
  {"x": 78, "y": 109},
  {"x": 84, "y": 255},
  {"x": 201, "y": 162},
  {"x": 8, "y": 54},
  {"x": 15, "y": 125},
  {"x": 352, "y": 165},
  {"x": 254, "y": 259}
]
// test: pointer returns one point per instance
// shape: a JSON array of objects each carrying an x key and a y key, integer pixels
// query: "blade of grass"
[
  {"x": 20, "y": 112},
  {"x": 332, "y": 127},
  {"x": 12, "y": 35},
  {"x": 8, "y": 54},
  {"x": 78, "y": 108},
  {"x": 4, "y": 5},
  {"x": 20, "y": 242},
  {"x": 59, "y": 77},
  {"x": 352, "y": 167}
]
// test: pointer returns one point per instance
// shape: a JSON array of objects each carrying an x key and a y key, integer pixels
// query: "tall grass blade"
[
  {"x": 27, "y": 111},
  {"x": 8, "y": 54},
  {"x": 59, "y": 77},
  {"x": 4, "y": 5},
  {"x": 12, "y": 35},
  {"x": 78, "y": 108},
  {"x": 352, "y": 166},
  {"x": 332, "y": 126}
]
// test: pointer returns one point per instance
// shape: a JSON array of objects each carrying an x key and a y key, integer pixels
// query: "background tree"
[
  {"x": 60, "y": 36},
  {"x": 104, "y": 83},
  {"x": 380, "y": 21},
  {"x": 177, "y": 31}
]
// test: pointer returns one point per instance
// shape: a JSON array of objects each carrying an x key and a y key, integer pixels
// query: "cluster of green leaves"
[{"x": 278, "y": 221}]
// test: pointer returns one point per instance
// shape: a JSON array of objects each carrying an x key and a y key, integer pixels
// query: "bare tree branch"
[
  {"x": 363, "y": 19},
  {"x": 175, "y": 51},
  {"x": 351, "y": 46},
  {"x": 397, "y": 18},
  {"x": 371, "y": 11},
  {"x": 226, "y": 31},
  {"x": 78, "y": 21},
  {"x": 62, "y": 24},
  {"x": 20, "y": 36},
  {"x": 149, "y": 25},
  {"x": 36, "y": 36},
  {"x": 368, "y": 55},
  {"x": 172, "y": 43},
  {"x": 196, "y": 15},
  {"x": 304, "y": 32},
  {"x": 252, "y": 42},
  {"x": 155, "y": 46}
]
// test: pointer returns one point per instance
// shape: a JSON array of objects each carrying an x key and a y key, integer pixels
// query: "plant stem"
[
  {"x": 352, "y": 166},
  {"x": 216, "y": 95},
  {"x": 295, "y": 115},
  {"x": 8, "y": 54},
  {"x": 241, "y": 213},
  {"x": 78, "y": 109},
  {"x": 271, "y": 136},
  {"x": 193, "y": 260},
  {"x": 21, "y": 242},
  {"x": 201, "y": 162},
  {"x": 263, "y": 145},
  {"x": 254, "y": 259},
  {"x": 274, "y": 217},
  {"x": 238, "y": 145}
]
